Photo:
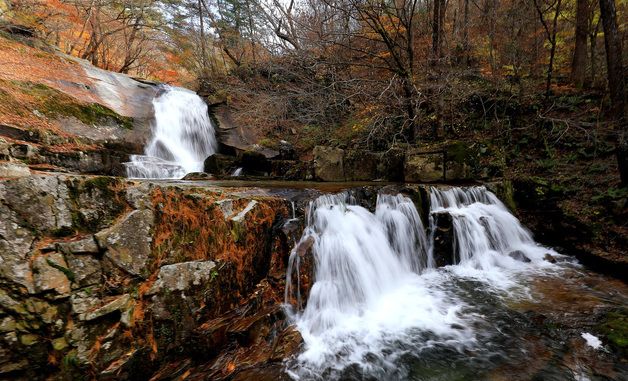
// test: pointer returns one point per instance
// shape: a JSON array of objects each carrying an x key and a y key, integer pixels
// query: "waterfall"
[
  {"x": 488, "y": 239},
  {"x": 367, "y": 289},
  {"x": 182, "y": 138},
  {"x": 377, "y": 293}
]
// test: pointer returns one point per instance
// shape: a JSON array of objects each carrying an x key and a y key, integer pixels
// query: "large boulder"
[
  {"x": 183, "y": 277},
  {"x": 254, "y": 163},
  {"x": 329, "y": 163},
  {"x": 423, "y": 168},
  {"x": 444, "y": 252},
  {"x": 219, "y": 164},
  {"x": 41, "y": 201},
  {"x": 361, "y": 165},
  {"x": 128, "y": 243}
]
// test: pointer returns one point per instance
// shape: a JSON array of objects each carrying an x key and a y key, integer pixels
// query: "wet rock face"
[
  {"x": 444, "y": 253},
  {"x": 116, "y": 279},
  {"x": 219, "y": 164}
]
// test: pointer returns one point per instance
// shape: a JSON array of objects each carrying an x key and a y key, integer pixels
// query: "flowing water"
[
  {"x": 379, "y": 309},
  {"x": 182, "y": 138}
]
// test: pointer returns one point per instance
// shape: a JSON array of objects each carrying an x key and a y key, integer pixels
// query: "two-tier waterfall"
[{"x": 182, "y": 137}]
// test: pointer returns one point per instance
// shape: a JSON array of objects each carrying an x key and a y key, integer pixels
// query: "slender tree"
[
  {"x": 579, "y": 61},
  {"x": 615, "y": 73},
  {"x": 551, "y": 31}
]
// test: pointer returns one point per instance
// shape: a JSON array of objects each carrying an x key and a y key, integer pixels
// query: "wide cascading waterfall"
[
  {"x": 368, "y": 291},
  {"x": 377, "y": 295},
  {"x": 182, "y": 137}
]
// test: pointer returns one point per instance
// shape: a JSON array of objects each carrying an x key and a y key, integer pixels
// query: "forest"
[{"x": 391, "y": 69}]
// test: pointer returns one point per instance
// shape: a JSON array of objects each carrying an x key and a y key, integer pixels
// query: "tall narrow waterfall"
[
  {"x": 377, "y": 294},
  {"x": 182, "y": 137}
]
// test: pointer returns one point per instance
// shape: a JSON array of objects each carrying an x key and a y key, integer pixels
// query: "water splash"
[
  {"x": 182, "y": 138},
  {"x": 368, "y": 292},
  {"x": 489, "y": 242},
  {"x": 377, "y": 295}
]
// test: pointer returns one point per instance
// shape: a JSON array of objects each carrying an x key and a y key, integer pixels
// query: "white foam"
[
  {"x": 592, "y": 340},
  {"x": 377, "y": 294}
]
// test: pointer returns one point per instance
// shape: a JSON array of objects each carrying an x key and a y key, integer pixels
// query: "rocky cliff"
[{"x": 106, "y": 278}]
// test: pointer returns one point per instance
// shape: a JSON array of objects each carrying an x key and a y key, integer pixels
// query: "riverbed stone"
[
  {"x": 219, "y": 164},
  {"x": 112, "y": 304},
  {"x": 254, "y": 163},
  {"x": 241, "y": 216},
  {"x": 519, "y": 255},
  {"x": 226, "y": 207},
  {"x": 83, "y": 301},
  {"x": 128, "y": 243},
  {"x": 329, "y": 163},
  {"x": 443, "y": 239}
]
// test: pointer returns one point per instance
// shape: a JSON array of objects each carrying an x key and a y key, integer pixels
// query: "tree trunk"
[
  {"x": 202, "y": 35},
  {"x": 593, "y": 56},
  {"x": 437, "y": 30},
  {"x": 409, "y": 94},
  {"x": 615, "y": 72},
  {"x": 579, "y": 62},
  {"x": 622, "y": 158},
  {"x": 465, "y": 34},
  {"x": 614, "y": 64}
]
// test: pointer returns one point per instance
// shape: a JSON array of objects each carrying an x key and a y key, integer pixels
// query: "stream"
[{"x": 506, "y": 308}]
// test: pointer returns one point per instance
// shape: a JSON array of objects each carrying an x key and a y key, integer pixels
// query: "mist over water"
[
  {"x": 378, "y": 298},
  {"x": 182, "y": 138}
]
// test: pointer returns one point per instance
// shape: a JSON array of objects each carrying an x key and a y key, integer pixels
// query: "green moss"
[
  {"x": 269, "y": 143},
  {"x": 102, "y": 183},
  {"x": 615, "y": 329},
  {"x": 458, "y": 152},
  {"x": 55, "y": 103},
  {"x": 67, "y": 272}
]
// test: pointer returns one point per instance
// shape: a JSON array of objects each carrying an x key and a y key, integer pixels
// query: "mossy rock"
[
  {"x": 54, "y": 103},
  {"x": 615, "y": 328}
]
